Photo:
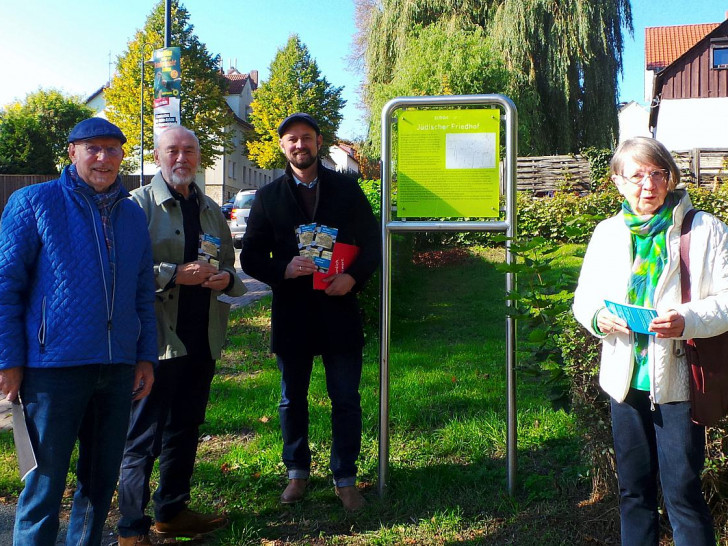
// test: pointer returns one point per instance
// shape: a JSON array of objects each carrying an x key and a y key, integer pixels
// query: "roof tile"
[
  {"x": 663, "y": 45},
  {"x": 236, "y": 83}
]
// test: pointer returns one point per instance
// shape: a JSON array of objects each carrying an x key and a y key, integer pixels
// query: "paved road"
[{"x": 256, "y": 290}]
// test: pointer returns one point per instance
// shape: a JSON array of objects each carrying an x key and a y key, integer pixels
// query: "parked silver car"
[{"x": 239, "y": 215}]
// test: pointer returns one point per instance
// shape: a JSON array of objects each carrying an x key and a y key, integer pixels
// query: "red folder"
[{"x": 342, "y": 257}]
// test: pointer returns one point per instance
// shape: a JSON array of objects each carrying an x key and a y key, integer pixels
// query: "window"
[{"x": 719, "y": 54}]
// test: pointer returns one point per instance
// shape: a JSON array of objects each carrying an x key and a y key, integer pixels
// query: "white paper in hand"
[{"x": 23, "y": 446}]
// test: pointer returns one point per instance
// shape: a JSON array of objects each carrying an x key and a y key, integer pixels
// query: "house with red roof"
[
  {"x": 342, "y": 158},
  {"x": 233, "y": 171},
  {"x": 686, "y": 85}
]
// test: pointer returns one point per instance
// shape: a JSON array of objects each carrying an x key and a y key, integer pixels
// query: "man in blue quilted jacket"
[{"x": 77, "y": 330}]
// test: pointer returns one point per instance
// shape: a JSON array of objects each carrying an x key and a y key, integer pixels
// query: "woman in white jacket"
[{"x": 634, "y": 258}]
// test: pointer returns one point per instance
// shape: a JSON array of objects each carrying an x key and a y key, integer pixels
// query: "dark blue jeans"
[
  {"x": 343, "y": 375},
  {"x": 163, "y": 425},
  {"x": 90, "y": 403},
  {"x": 665, "y": 442}
]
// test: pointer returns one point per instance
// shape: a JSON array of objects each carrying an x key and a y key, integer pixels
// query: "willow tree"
[
  {"x": 563, "y": 57},
  {"x": 203, "y": 106},
  {"x": 439, "y": 59}
]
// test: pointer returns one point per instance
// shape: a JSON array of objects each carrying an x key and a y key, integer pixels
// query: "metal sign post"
[{"x": 509, "y": 116}]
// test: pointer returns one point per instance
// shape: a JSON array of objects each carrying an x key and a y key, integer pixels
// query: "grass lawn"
[{"x": 447, "y": 480}]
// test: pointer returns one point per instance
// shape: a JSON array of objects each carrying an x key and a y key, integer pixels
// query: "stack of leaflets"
[
  {"x": 316, "y": 241},
  {"x": 209, "y": 250},
  {"x": 23, "y": 446}
]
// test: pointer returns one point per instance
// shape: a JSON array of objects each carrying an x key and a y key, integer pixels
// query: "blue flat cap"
[
  {"x": 300, "y": 116},
  {"x": 95, "y": 128}
]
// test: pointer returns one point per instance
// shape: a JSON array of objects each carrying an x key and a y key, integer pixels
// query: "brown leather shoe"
[
  {"x": 294, "y": 491},
  {"x": 141, "y": 540},
  {"x": 189, "y": 523},
  {"x": 350, "y": 498}
]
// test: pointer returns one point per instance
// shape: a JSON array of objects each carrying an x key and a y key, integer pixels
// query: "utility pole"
[
  {"x": 141, "y": 119},
  {"x": 167, "y": 23}
]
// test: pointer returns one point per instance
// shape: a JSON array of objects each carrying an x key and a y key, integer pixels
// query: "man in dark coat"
[{"x": 307, "y": 321}]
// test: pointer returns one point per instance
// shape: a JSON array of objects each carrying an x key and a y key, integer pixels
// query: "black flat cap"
[
  {"x": 299, "y": 116},
  {"x": 95, "y": 128}
]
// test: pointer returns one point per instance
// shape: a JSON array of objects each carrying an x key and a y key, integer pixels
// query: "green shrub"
[
  {"x": 372, "y": 189},
  {"x": 565, "y": 217},
  {"x": 564, "y": 353},
  {"x": 580, "y": 352},
  {"x": 599, "y": 159},
  {"x": 369, "y": 296},
  {"x": 714, "y": 202}
]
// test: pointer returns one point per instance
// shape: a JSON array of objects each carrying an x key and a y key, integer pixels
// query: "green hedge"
[
  {"x": 551, "y": 343},
  {"x": 369, "y": 296},
  {"x": 565, "y": 354}
]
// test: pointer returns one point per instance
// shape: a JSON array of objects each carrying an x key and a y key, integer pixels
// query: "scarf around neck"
[
  {"x": 649, "y": 241},
  {"x": 104, "y": 203}
]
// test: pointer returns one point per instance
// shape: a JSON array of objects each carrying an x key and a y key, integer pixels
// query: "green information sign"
[{"x": 448, "y": 163}]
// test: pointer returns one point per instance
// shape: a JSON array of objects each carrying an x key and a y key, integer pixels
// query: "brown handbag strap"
[{"x": 685, "y": 254}]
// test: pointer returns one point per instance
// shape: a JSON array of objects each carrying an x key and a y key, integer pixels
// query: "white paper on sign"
[{"x": 470, "y": 151}]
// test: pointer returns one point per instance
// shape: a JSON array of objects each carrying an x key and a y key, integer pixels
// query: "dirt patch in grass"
[{"x": 440, "y": 258}]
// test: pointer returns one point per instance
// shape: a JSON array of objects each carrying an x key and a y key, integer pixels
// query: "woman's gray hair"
[{"x": 647, "y": 151}]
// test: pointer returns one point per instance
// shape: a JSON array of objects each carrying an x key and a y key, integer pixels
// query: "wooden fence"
[
  {"x": 543, "y": 175},
  {"x": 11, "y": 182},
  {"x": 703, "y": 166},
  {"x": 537, "y": 175}
]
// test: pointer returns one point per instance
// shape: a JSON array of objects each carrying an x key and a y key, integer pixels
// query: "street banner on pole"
[{"x": 167, "y": 89}]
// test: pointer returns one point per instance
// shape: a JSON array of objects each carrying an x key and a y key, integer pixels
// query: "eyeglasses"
[
  {"x": 638, "y": 179},
  {"x": 109, "y": 151}
]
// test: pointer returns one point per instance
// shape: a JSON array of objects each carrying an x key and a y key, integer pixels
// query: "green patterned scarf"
[{"x": 649, "y": 240}]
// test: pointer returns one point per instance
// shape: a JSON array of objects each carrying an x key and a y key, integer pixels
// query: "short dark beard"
[{"x": 302, "y": 164}]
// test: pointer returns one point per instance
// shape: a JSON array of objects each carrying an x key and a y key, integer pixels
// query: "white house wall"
[
  {"x": 340, "y": 161},
  {"x": 649, "y": 85},
  {"x": 634, "y": 120},
  {"x": 683, "y": 124},
  {"x": 98, "y": 105},
  {"x": 240, "y": 104}
]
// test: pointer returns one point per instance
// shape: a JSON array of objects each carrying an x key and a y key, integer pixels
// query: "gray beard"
[{"x": 179, "y": 180}]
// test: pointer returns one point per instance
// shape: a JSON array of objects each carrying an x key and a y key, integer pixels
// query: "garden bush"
[
  {"x": 566, "y": 354},
  {"x": 369, "y": 296},
  {"x": 558, "y": 350},
  {"x": 552, "y": 344}
]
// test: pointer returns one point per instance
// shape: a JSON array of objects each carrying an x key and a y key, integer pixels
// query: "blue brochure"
[{"x": 638, "y": 318}]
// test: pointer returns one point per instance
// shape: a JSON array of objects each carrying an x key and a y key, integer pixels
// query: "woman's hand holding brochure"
[
  {"x": 633, "y": 317},
  {"x": 644, "y": 320}
]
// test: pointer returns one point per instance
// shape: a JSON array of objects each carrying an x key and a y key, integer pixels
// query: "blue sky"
[
  {"x": 48, "y": 43},
  {"x": 657, "y": 13}
]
